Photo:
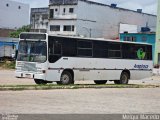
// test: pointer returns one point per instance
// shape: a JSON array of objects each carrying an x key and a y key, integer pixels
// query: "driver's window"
[{"x": 55, "y": 51}]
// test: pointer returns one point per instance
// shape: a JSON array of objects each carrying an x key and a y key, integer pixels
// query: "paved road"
[
  {"x": 83, "y": 101},
  {"x": 7, "y": 78}
]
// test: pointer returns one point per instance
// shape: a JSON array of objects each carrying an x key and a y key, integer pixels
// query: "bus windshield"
[{"x": 32, "y": 51}]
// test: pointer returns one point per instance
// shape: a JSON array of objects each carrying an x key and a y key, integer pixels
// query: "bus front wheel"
[
  {"x": 40, "y": 82},
  {"x": 100, "y": 81},
  {"x": 124, "y": 78},
  {"x": 66, "y": 78}
]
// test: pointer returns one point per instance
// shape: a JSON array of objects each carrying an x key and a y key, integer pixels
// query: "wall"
[
  {"x": 39, "y": 19},
  {"x": 5, "y": 32},
  {"x": 61, "y": 18},
  {"x": 105, "y": 21},
  {"x": 157, "y": 58},
  {"x": 14, "y": 15}
]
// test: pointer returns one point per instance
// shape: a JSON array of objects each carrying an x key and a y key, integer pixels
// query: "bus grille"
[{"x": 29, "y": 67}]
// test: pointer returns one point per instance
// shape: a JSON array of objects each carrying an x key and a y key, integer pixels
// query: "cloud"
[
  {"x": 35, "y": 3},
  {"x": 148, "y": 6}
]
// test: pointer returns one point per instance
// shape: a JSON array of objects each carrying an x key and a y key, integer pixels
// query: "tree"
[{"x": 16, "y": 33}]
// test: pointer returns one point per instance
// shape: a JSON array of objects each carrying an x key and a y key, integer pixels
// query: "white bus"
[{"x": 64, "y": 60}]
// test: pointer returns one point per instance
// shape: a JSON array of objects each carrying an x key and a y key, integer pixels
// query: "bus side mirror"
[
  {"x": 13, "y": 46},
  {"x": 16, "y": 54}
]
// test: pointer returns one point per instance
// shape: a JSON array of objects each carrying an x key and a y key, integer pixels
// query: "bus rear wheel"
[
  {"x": 66, "y": 78},
  {"x": 124, "y": 78},
  {"x": 117, "y": 82},
  {"x": 40, "y": 82},
  {"x": 100, "y": 81}
]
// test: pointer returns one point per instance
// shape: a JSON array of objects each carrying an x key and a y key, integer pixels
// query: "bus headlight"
[
  {"x": 18, "y": 68},
  {"x": 41, "y": 71}
]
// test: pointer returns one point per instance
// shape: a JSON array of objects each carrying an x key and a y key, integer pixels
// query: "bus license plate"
[{"x": 28, "y": 75}]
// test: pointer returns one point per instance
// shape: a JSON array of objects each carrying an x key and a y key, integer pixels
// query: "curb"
[{"x": 52, "y": 87}]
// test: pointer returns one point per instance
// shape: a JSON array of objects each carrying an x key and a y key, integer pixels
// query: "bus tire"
[
  {"x": 40, "y": 82},
  {"x": 117, "y": 82},
  {"x": 124, "y": 79},
  {"x": 66, "y": 78},
  {"x": 100, "y": 82}
]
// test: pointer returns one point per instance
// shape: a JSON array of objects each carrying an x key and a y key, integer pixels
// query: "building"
[
  {"x": 140, "y": 37},
  {"x": 157, "y": 52},
  {"x": 5, "y": 32},
  {"x": 39, "y": 19},
  {"x": 13, "y": 14},
  {"x": 8, "y": 47},
  {"x": 91, "y": 19}
]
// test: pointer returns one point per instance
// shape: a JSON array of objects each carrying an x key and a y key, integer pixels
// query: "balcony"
[
  {"x": 63, "y": 2},
  {"x": 64, "y": 16}
]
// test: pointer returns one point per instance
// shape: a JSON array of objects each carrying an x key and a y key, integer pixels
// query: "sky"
[{"x": 148, "y": 6}]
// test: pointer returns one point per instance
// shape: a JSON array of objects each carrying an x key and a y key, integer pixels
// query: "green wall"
[{"x": 157, "y": 50}]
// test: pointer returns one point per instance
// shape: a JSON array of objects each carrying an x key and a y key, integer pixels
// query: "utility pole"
[
  {"x": 89, "y": 31},
  {"x": 157, "y": 46}
]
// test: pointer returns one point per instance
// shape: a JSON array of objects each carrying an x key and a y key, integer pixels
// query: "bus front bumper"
[{"x": 20, "y": 74}]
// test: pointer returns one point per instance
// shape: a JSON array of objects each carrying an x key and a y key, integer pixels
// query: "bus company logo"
[
  {"x": 141, "y": 54},
  {"x": 141, "y": 66}
]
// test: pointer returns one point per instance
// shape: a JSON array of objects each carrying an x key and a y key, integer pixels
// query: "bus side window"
[{"x": 55, "y": 51}]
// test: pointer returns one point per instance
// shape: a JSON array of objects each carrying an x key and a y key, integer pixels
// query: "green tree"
[{"x": 16, "y": 33}]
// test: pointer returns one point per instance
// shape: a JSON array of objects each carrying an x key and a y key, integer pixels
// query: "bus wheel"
[
  {"x": 124, "y": 78},
  {"x": 66, "y": 78},
  {"x": 117, "y": 82},
  {"x": 100, "y": 81},
  {"x": 40, "y": 82}
]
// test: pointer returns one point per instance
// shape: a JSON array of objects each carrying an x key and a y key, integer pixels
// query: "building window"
[
  {"x": 55, "y": 28},
  {"x": 51, "y": 13},
  {"x": 68, "y": 28},
  {"x": 144, "y": 39},
  {"x": 19, "y": 7},
  {"x": 56, "y": 9},
  {"x": 71, "y": 10},
  {"x": 46, "y": 23},
  {"x": 64, "y": 10},
  {"x": 131, "y": 38},
  {"x": 42, "y": 23},
  {"x": 7, "y": 5},
  {"x": 125, "y": 38}
]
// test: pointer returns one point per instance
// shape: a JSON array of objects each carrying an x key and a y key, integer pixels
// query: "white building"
[
  {"x": 13, "y": 14},
  {"x": 86, "y": 18},
  {"x": 39, "y": 19}
]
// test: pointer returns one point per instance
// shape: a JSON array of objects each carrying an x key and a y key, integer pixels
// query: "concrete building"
[
  {"x": 157, "y": 52},
  {"x": 91, "y": 19},
  {"x": 39, "y": 19},
  {"x": 13, "y": 14},
  {"x": 8, "y": 47},
  {"x": 140, "y": 37}
]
